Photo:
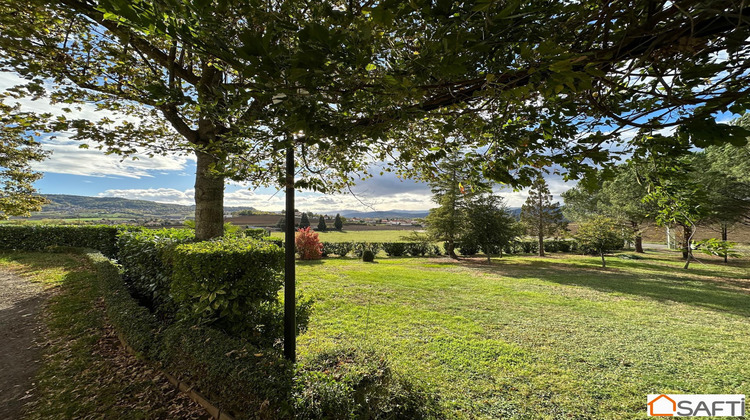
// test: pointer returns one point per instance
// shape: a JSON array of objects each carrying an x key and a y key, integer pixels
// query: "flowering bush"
[{"x": 308, "y": 245}]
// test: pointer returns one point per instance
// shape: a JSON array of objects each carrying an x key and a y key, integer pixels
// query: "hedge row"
[
  {"x": 146, "y": 268},
  {"x": 231, "y": 283},
  {"x": 257, "y": 383},
  {"x": 420, "y": 249},
  {"x": 393, "y": 249},
  {"x": 40, "y": 237}
]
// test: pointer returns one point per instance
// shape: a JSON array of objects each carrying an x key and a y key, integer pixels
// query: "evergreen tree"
[
  {"x": 539, "y": 215},
  {"x": 338, "y": 223},
  {"x": 489, "y": 224},
  {"x": 304, "y": 221},
  {"x": 281, "y": 224},
  {"x": 322, "y": 224},
  {"x": 451, "y": 190},
  {"x": 18, "y": 150}
]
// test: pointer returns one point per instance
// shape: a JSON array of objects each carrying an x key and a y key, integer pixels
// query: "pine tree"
[
  {"x": 304, "y": 222},
  {"x": 451, "y": 190},
  {"x": 338, "y": 223},
  {"x": 539, "y": 215},
  {"x": 322, "y": 224}
]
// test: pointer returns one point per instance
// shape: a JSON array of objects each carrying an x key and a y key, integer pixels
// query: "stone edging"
[{"x": 214, "y": 411}]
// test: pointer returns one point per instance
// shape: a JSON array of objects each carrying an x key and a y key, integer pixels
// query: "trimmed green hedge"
[
  {"x": 146, "y": 268},
  {"x": 135, "y": 323},
  {"x": 39, "y": 237},
  {"x": 257, "y": 233},
  {"x": 232, "y": 284}
]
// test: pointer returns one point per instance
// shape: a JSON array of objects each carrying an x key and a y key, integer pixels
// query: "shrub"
[
  {"x": 394, "y": 249},
  {"x": 256, "y": 233},
  {"x": 308, "y": 245},
  {"x": 250, "y": 382},
  {"x": 232, "y": 284},
  {"x": 39, "y": 237},
  {"x": 368, "y": 256},
  {"x": 356, "y": 384},
  {"x": 530, "y": 247},
  {"x": 143, "y": 256},
  {"x": 360, "y": 247},
  {"x": 468, "y": 248},
  {"x": 135, "y": 323},
  {"x": 338, "y": 248},
  {"x": 418, "y": 249}
]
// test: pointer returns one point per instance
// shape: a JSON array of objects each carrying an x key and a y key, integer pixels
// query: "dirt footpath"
[{"x": 20, "y": 305}]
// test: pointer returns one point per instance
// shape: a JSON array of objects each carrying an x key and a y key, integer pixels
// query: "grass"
[
  {"x": 532, "y": 337},
  {"x": 358, "y": 236},
  {"x": 84, "y": 373}
]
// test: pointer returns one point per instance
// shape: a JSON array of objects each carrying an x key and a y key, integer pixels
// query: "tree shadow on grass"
[{"x": 653, "y": 282}]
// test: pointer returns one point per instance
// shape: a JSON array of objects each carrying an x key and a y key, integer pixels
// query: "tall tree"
[
  {"x": 539, "y": 215},
  {"x": 18, "y": 150},
  {"x": 489, "y": 224},
  {"x": 452, "y": 190},
  {"x": 304, "y": 221},
  {"x": 322, "y": 224},
  {"x": 338, "y": 223}
]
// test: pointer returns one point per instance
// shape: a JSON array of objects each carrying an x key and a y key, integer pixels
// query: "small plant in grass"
[
  {"x": 600, "y": 235},
  {"x": 308, "y": 245},
  {"x": 368, "y": 256}
]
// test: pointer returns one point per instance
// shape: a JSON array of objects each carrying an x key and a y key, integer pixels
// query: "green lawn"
[
  {"x": 530, "y": 337},
  {"x": 359, "y": 235}
]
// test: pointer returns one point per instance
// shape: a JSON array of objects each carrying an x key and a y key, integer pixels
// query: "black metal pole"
[{"x": 290, "y": 321}]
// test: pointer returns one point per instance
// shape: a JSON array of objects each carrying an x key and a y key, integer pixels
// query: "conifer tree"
[
  {"x": 338, "y": 223},
  {"x": 539, "y": 215},
  {"x": 304, "y": 221},
  {"x": 322, "y": 224},
  {"x": 451, "y": 190}
]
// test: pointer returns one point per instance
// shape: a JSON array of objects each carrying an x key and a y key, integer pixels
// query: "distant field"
[{"x": 358, "y": 236}]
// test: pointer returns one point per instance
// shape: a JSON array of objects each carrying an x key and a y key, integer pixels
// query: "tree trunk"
[
  {"x": 686, "y": 235},
  {"x": 604, "y": 263},
  {"x": 209, "y": 199},
  {"x": 638, "y": 238},
  {"x": 450, "y": 249},
  {"x": 541, "y": 245},
  {"x": 724, "y": 238}
]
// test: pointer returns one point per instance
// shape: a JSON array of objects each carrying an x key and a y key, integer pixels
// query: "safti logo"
[{"x": 695, "y": 405}]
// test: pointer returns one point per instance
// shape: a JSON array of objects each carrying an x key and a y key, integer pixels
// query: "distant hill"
[
  {"x": 78, "y": 206},
  {"x": 386, "y": 214},
  {"x": 402, "y": 214}
]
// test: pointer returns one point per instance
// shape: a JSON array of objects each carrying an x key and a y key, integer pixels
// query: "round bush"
[{"x": 368, "y": 256}]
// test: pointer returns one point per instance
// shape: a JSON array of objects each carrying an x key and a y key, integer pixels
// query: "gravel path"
[{"x": 20, "y": 304}]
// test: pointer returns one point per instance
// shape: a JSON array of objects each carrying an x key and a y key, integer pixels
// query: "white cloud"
[
  {"x": 160, "y": 195},
  {"x": 68, "y": 158}
]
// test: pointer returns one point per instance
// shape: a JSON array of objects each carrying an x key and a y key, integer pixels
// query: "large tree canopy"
[{"x": 519, "y": 85}]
